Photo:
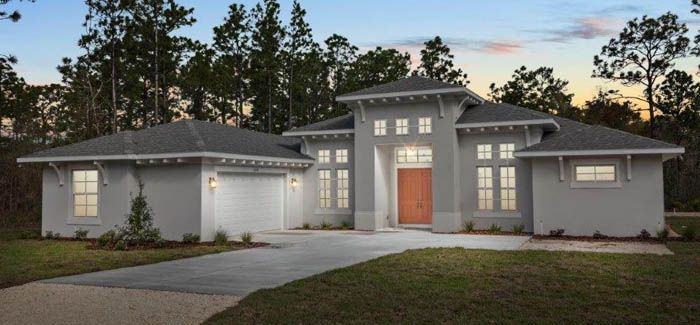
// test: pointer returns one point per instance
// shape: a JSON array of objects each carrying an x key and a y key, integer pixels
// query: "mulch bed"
[
  {"x": 319, "y": 228},
  {"x": 92, "y": 244},
  {"x": 488, "y": 232},
  {"x": 613, "y": 239}
]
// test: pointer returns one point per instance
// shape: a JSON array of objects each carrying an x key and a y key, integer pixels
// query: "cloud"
[
  {"x": 582, "y": 28},
  {"x": 505, "y": 47},
  {"x": 415, "y": 44},
  {"x": 618, "y": 9}
]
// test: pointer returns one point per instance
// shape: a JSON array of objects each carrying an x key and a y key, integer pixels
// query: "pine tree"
[
  {"x": 436, "y": 63},
  {"x": 339, "y": 55},
  {"x": 297, "y": 46}
]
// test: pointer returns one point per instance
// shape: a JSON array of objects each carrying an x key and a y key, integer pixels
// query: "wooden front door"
[{"x": 415, "y": 187}]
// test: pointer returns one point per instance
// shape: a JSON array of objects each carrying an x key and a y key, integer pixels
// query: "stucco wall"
[
  {"x": 523, "y": 186},
  {"x": 621, "y": 211}
]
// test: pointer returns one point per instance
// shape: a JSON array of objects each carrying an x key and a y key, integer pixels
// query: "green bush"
[
  {"x": 138, "y": 227},
  {"x": 662, "y": 234},
  {"x": 108, "y": 239},
  {"x": 52, "y": 235},
  {"x": 190, "y": 238},
  {"x": 518, "y": 229},
  {"x": 689, "y": 233},
  {"x": 221, "y": 237},
  {"x": 468, "y": 226},
  {"x": 80, "y": 233},
  {"x": 344, "y": 225},
  {"x": 247, "y": 238},
  {"x": 495, "y": 228},
  {"x": 325, "y": 225},
  {"x": 306, "y": 226}
]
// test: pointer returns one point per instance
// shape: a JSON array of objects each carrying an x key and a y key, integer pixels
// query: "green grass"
[
  {"x": 23, "y": 261},
  {"x": 677, "y": 223},
  {"x": 479, "y": 286}
]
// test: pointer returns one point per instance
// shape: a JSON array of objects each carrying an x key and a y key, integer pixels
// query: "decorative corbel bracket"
[
  {"x": 442, "y": 106},
  {"x": 103, "y": 171},
  {"x": 59, "y": 173},
  {"x": 561, "y": 168},
  {"x": 362, "y": 110}
]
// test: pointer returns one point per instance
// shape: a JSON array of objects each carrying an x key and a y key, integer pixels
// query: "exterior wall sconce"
[
  {"x": 212, "y": 182},
  {"x": 294, "y": 183}
]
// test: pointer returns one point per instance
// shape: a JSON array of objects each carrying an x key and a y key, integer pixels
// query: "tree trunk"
[
  {"x": 155, "y": 17},
  {"x": 269, "y": 104},
  {"x": 650, "y": 101},
  {"x": 291, "y": 84},
  {"x": 114, "y": 91}
]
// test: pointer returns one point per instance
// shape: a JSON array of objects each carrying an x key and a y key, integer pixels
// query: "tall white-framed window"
[
  {"x": 596, "y": 173},
  {"x": 324, "y": 156},
  {"x": 341, "y": 156},
  {"x": 484, "y": 151},
  {"x": 485, "y": 187},
  {"x": 379, "y": 128},
  {"x": 505, "y": 150},
  {"x": 414, "y": 155},
  {"x": 507, "y": 182},
  {"x": 324, "y": 188},
  {"x": 401, "y": 126},
  {"x": 343, "y": 188},
  {"x": 425, "y": 125},
  {"x": 85, "y": 193}
]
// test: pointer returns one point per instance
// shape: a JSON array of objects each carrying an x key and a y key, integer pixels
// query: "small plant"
[
  {"x": 52, "y": 235},
  {"x": 306, "y": 226},
  {"x": 80, "y": 233},
  {"x": 598, "y": 235},
  {"x": 495, "y": 228},
  {"x": 108, "y": 239},
  {"x": 30, "y": 234},
  {"x": 247, "y": 238},
  {"x": 221, "y": 237},
  {"x": 344, "y": 225},
  {"x": 689, "y": 233},
  {"x": 468, "y": 226},
  {"x": 518, "y": 229},
  {"x": 326, "y": 225},
  {"x": 556, "y": 232},
  {"x": 138, "y": 227},
  {"x": 662, "y": 234},
  {"x": 644, "y": 234},
  {"x": 190, "y": 238}
]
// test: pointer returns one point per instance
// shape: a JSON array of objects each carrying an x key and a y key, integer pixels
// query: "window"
[
  {"x": 85, "y": 193},
  {"x": 425, "y": 125},
  {"x": 505, "y": 150},
  {"x": 324, "y": 188},
  {"x": 595, "y": 173},
  {"x": 483, "y": 151},
  {"x": 341, "y": 156},
  {"x": 485, "y": 187},
  {"x": 379, "y": 127},
  {"x": 324, "y": 156},
  {"x": 508, "y": 188},
  {"x": 401, "y": 126},
  {"x": 343, "y": 189},
  {"x": 414, "y": 155}
]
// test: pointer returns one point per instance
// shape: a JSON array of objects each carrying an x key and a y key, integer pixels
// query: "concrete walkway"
[{"x": 293, "y": 255}]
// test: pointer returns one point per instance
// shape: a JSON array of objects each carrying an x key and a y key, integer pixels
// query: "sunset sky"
[{"x": 489, "y": 38}]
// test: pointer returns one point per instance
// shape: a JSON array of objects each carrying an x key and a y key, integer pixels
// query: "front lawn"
[
  {"x": 679, "y": 223},
  {"x": 457, "y": 285},
  {"x": 26, "y": 260}
]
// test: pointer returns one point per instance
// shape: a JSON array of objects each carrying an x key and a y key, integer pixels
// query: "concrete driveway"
[{"x": 293, "y": 255}]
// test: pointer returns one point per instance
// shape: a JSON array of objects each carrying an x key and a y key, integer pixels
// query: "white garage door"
[{"x": 249, "y": 202}]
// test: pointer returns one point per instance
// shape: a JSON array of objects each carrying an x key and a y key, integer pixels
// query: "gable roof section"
[
  {"x": 340, "y": 124},
  {"x": 189, "y": 138},
  {"x": 413, "y": 85},
  {"x": 497, "y": 114}
]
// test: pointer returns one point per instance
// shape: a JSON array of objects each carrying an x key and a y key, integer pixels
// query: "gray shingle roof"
[
  {"x": 499, "y": 112},
  {"x": 413, "y": 83},
  {"x": 345, "y": 122},
  {"x": 184, "y": 136}
]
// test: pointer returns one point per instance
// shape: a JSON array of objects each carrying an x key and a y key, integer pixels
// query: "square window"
[
  {"x": 341, "y": 156},
  {"x": 380, "y": 128},
  {"x": 324, "y": 156},
  {"x": 505, "y": 150},
  {"x": 401, "y": 126},
  {"x": 425, "y": 125},
  {"x": 483, "y": 151}
]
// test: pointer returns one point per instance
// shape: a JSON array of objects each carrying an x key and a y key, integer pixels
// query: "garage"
[{"x": 249, "y": 202}]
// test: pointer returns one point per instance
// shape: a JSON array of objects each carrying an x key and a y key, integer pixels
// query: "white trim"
[
  {"x": 629, "y": 167},
  {"x": 599, "y": 152},
  {"x": 411, "y": 93},
  {"x": 442, "y": 106},
  {"x": 203, "y": 154},
  {"x": 59, "y": 173},
  {"x": 594, "y": 184},
  {"x": 362, "y": 111},
  {"x": 497, "y": 214},
  {"x": 561, "y": 168},
  {"x": 321, "y": 132},
  {"x": 507, "y": 123},
  {"x": 101, "y": 168}
]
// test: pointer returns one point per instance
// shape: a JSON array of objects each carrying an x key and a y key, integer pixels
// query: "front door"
[{"x": 415, "y": 195}]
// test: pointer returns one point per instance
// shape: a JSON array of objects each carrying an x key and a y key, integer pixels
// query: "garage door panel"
[{"x": 249, "y": 202}]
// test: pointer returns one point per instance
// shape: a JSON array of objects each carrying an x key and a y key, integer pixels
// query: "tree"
[
  {"x": 378, "y": 66},
  {"x": 436, "y": 63},
  {"x": 604, "y": 109},
  {"x": 696, "y": 48},
  {"x": 265, "y": 66},
  {"x": 642, "y": 54},
  {"x": 339, "y": 55},
  {"x": 232, "y": 45},
  {"x": 536, "y": 89},
  {"x": 197, "y": 85},
  {"x": 297, "y": 46}
]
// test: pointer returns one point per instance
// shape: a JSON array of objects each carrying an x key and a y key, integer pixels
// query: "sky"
[{"x": 489, "y": 39}]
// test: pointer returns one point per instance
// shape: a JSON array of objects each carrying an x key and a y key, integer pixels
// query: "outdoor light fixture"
[
  {"x": 294, "y": 183},
  {"x": 212, "y": 182}
]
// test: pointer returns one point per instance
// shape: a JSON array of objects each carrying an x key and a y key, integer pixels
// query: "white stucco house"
[{"x": 413, "y": 153}]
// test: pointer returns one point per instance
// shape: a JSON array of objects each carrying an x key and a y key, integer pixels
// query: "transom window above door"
[
  {"x": 414, "y": 155},
  {"x": 85, "y": 192},
  {"x": 401, "y": 126}
]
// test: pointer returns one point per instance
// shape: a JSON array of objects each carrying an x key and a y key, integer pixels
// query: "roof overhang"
[
  {"x": 335, "y": 133},
  {"x": 549, "y": 124},
  {"x": 223, "y": 157},
  {"x": 666, "y": 152},
  {"x": 415, "y": 94}
]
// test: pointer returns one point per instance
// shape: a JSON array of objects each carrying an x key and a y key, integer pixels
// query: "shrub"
[
  {"x": 344, "y": 225},
  {"x": 598, "y": 235},
  {"x": 326, "y": 225},
  {"x": 29, "y": 234},
  {"x": 306, "y": 226},
  {"x": 138, "y": 227},
  {"x": 52, "y": 235},
  {"x": 662, "y": 234},
  {"x": 108, "y": 239},
  {"x": 190, "y": 238},
  {"x": 495, "y": 228},
  {"x": 689, "y": 233},
  {"x": 468, "y": 226},
  {"x": 247, "y": 238},
  {"x": 556, "y": 232},
  {"x": 644, "y": 234},
  {"x": 80, "y": 233},
  {"x": 518, "y": 229},
  {"x": 221, "y": 237}
]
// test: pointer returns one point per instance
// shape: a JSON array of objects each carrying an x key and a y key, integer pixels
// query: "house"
[{"x": 414, "y": 153}]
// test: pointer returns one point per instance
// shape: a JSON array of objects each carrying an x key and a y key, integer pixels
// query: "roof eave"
[
  {"x": 293, "y": 133},
  {"x": 544, "y": 122},
  {"x": 203, "y": 154},
  {"x": 672, "y": 152},
  {"x": 453, "y": 90}
]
